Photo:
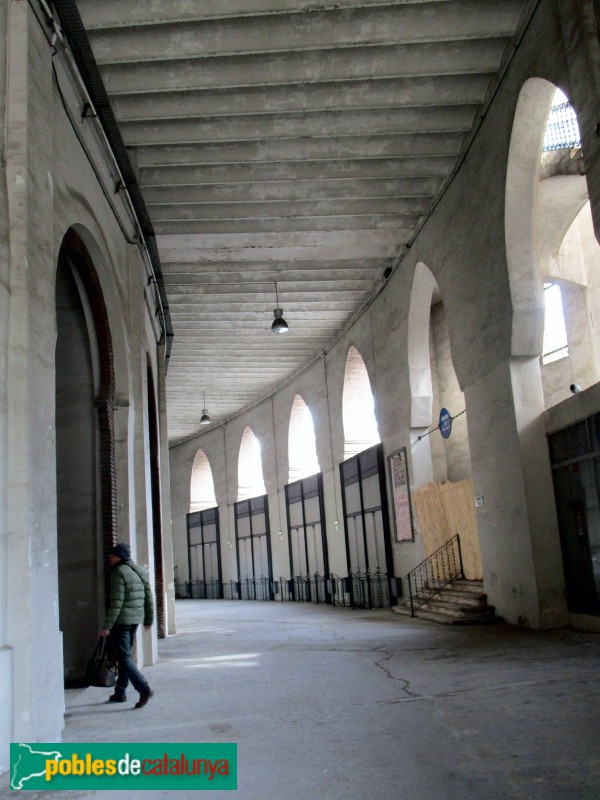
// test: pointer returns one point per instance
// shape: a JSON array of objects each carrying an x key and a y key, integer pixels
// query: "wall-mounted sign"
[
  {"x": 445, "y": 423},
  {"x": 401, "y": 495}
]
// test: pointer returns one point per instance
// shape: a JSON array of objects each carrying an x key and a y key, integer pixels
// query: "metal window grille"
[{"x": 562, "y": 130}]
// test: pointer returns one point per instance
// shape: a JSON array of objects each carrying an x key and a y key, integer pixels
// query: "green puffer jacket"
[{"x": 130, "y": 596}]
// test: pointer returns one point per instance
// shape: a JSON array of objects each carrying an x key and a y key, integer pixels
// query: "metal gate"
[
  {"x": 204, "y": 555},
  {"x": 253, "y": 549},
  {"x": 367, "y": 529},
  {"x": 309, "y": 562}
]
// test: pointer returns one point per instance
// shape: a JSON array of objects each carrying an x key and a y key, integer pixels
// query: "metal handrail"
[{"x": 434, "y": 573}]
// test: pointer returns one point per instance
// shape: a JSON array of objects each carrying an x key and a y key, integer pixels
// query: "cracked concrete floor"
[{"x": 342, "y": 704}]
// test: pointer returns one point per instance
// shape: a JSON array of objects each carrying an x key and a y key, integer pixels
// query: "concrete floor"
[{"x": 341, "y": 704}]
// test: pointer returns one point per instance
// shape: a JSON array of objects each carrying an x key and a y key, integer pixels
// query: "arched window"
[
  {"x": 360, "y": 425},
  {"x": 202, "y": 489},
  {"x": 250, "y": 473},
  {"x": 302, "y": 449}
]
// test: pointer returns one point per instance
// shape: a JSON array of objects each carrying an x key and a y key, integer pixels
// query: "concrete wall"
[
  {"x": 479, "y": 247},
  {"x": 51, "y": 187}
]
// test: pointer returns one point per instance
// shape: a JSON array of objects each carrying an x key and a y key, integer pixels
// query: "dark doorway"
[
  {"x": 575, "y": 455},
  {"x": 85, "y": 478}
]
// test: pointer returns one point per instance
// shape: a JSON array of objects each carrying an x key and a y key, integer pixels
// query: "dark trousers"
[{"x": 122, "y": 637}]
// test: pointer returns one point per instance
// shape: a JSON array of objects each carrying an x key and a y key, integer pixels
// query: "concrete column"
[
  {"x": 142, "y": 532},
  {"x": 31, "y": 553},
  {"x": 163, "y": 428},
  {"x": 6, "y": 651},
  {"x": 518, "y": 530}
]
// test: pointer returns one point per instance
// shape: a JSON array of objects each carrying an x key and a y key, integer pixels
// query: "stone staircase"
[{"x": 461, "y": 602}]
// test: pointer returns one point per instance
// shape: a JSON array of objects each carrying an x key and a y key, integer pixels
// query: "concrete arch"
[
  {"x": 521, "y": 196},
  {"x": 114, "y": 309}
]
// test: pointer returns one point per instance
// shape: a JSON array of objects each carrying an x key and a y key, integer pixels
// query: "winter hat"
[{"x": 121, "y": 551}]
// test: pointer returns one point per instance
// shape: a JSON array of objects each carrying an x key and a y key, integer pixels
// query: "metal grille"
[
  {"x": 198, "y": 590},
  {"x": 562, "y": 130},
  {"x": 361, "y": 590},
  {"x": 255, "y": 589},
  {"x": 438, "y": 570}
]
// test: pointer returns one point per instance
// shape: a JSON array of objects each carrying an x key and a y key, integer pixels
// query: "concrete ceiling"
[{"x": 291, "y": 141}]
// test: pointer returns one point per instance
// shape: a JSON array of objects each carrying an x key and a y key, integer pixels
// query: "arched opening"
[
  {"x": 568, "y": 259},
  {"x": 443, "y": 499},
  {"x": 567, "y": 264},
  {"x": 251, "y": 482},
  {"x": 360, "y": 423},
  {"x": 302, "y": 447},
  {"x": 202, "y": 487},
  {"x": 85, "y": 451}
]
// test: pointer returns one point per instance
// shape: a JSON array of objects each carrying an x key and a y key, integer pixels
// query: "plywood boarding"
[{"x": 444, "y": 509}]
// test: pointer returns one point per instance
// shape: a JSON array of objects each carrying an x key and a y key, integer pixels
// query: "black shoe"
[
  {"x": 144, "y": 697},
  {"x": 117, "y": 698}
]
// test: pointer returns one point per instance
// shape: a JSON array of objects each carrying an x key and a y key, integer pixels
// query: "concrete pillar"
[
  {"x": 520, "y": 545},
  {"x": 32, "y": 588},
  {"x": 6, "y": 651},
  {"x": 165, "y": 491},
  {"x": 141, "y": 533}
]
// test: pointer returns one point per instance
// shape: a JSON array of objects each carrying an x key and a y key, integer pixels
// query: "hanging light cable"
[
  {"x": 205, "y": 419},
  {"x": 279, "y": 324}
]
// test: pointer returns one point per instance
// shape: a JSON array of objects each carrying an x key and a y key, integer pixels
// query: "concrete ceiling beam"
[
  {"x": 403, "y": 24},
  {"x": 268, "y": 225},
  {"x": 340, "y": 150},
  {"x": 116, "y": 13},
  {"x": 384, "y": 93},
  {"x": 341, "y": 189},
  {"x": 441, "y": 58},
  {"x": 292, "y": 126}
]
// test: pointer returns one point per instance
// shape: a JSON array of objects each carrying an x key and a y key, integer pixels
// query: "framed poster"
[{"x": 401, "y": 495}]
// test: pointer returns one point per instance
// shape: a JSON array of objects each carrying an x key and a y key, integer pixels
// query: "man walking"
[{"x": 130, "y": 604}]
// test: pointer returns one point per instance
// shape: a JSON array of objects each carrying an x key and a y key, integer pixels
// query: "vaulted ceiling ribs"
[{"x": 289, "y": 141}]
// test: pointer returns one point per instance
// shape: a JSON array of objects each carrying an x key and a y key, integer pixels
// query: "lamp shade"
[
  {"x": 279, "y": 325},
  {"x": 204, "y": 419}
]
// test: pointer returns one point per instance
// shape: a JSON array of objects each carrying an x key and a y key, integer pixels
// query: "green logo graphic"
[{"x": 187, "y": 765}]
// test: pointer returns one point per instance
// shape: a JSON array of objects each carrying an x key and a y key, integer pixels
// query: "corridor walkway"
[{"x": 344, "y": 705}]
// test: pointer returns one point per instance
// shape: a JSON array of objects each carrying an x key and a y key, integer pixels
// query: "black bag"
[{"x": 101, "y": 668}]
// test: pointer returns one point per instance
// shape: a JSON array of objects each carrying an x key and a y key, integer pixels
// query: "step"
[
  {"x": 460, "y": 612},
  {"x": 460, "y": 584},
  {"x": 469, "y": 599},
  {"x": 432, "y": 616}
]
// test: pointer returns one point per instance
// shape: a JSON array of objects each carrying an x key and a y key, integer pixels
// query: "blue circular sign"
[{"x": 445, "y": 423}]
